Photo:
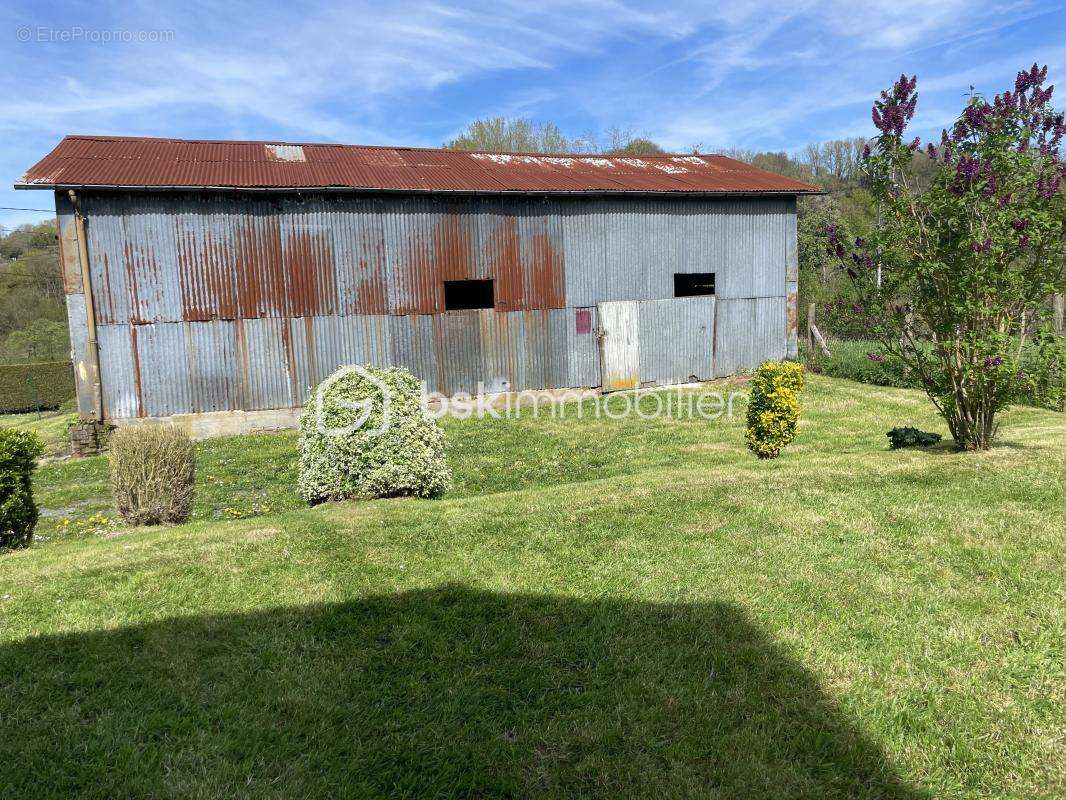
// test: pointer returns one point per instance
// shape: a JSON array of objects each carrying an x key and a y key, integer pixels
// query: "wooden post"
[
  {"x": 1060, "y": 312},
  {"x": 814, "y": 335}
]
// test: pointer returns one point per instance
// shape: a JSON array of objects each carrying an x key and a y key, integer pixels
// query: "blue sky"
[{"x": 748, "y": 74}]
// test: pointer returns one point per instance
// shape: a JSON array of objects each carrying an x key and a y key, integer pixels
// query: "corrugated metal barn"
[{"x": 225, "y": 276}]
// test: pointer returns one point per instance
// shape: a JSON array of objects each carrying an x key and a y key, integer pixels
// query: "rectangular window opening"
[
  {"x": 464, "y": 295},
  {"x": 693, "y": 284}
]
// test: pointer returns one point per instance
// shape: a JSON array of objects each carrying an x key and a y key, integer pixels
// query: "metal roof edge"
[{"x": 379, "y": 190}]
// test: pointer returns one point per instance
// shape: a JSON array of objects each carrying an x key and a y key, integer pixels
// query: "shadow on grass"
[{"x": 437, "y": 693}]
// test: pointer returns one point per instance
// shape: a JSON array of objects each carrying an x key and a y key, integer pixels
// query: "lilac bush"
[{"x": 957, "y": 271}]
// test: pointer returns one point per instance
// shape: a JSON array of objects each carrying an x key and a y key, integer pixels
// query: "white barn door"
[{"x": 619, "y": 335}]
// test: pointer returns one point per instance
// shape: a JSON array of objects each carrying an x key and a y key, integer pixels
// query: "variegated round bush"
[{"x": 364, "y": 434}]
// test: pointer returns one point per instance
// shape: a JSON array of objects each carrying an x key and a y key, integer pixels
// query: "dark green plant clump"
[
  {"x": 18, "y": 513},
  {"x": 911, "y": 437}
]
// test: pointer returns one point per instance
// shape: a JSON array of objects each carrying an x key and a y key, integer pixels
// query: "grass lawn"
[
  {"x": 598, "y": 609},
  {"x": 50, "y": 426}
]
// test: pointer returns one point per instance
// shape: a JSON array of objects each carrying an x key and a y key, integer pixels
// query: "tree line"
[{"x": 33, "y": 323}]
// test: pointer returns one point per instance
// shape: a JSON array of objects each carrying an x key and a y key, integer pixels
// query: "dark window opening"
[
  {"x": 463, "y": 295},
  {"x": 693, "y": 284}
]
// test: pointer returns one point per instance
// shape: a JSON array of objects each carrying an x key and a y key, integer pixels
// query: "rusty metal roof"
[{"x": 146, "y": 163}]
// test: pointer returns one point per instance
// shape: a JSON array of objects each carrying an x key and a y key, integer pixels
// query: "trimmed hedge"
[
  {"x": 18, "y": 512},
  {"x": 29, "y": 387}
]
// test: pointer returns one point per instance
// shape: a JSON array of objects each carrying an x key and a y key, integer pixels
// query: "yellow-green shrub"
[{"x": 773, "y": 407}]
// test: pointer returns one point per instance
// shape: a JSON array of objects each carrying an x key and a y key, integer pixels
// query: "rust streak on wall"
[
  {"x": 545, "y": 274},
  {"x": 261, "y": 282},
  {"x": 452, "y": 254},
  {"x": 136, "y": 370},
  {"x": 290, "y": 360},
  {"x": 371, "y": 296},
  {"x": 309, "y": 270},
  {"x": 206, "y": 279},
  {"x": 106, "y": 295},
  {"x": 505, "y": 265},
  {"x": 424, "y": 292},
  {"x": 131, "y": 282}
]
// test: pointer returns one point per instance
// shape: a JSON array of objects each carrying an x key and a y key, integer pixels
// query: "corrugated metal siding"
[
  {"x": 215, "y": 302},
  {"x": 676, "y": 340},
  {"x": 748, "y": 332},
  {"x": 118, "y": 373}
]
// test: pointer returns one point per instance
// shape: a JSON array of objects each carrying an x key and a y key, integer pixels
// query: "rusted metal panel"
[
  {"x": 69, "y": 260},
  {"x": 748, "y": 331},
  {"x": 214, "y": 363},
  {"x": 411, "y": 345},
  {"x": 257, "y": 259},
  {"x": 269, "y": 363},
  {"x": 106, "y": 235},
  {"x": 280, "y": 291},
  {"x": 582, "y": 348},
  {"x": 206, "y": 256},
  {"x": 307, "y": 255},
  {"x": 225, "y": 258},
  {"x": 165, "y": 383},
  {"x": 119, "y": 376},
  {"x": 361, "y": 256},
  {"x": 584, "y": 251},
  {"x": 149, "y": 258},
  {"x": 676, "y": 340},
  {"x": 83, "y": 161}
]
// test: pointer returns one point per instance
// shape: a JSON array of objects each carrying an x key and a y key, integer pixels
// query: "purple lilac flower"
[
  {"x": 993, "y": 361},
  {"x": 1027, "y": 80},
  {"x": 875, "y": 357},
  {"x": 1047, "y": 187},
  {"x": 1019, "y": 224},
  {"x": 968, "y": 167},
  {"x": 892, "y": 112}
]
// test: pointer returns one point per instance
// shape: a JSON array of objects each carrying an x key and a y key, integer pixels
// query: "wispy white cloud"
[{"x": 760, "y": 73}]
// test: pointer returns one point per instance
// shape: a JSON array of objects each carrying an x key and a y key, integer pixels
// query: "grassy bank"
[{"x": 600, "y": 608}]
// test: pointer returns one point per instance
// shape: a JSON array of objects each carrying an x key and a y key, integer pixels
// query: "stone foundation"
[{"x": 87, "y": 438}]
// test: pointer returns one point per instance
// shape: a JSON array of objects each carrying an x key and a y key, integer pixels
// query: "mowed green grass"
[
  {"x": 50, "y": 426},
  {"x": 600, "y": 608}
]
